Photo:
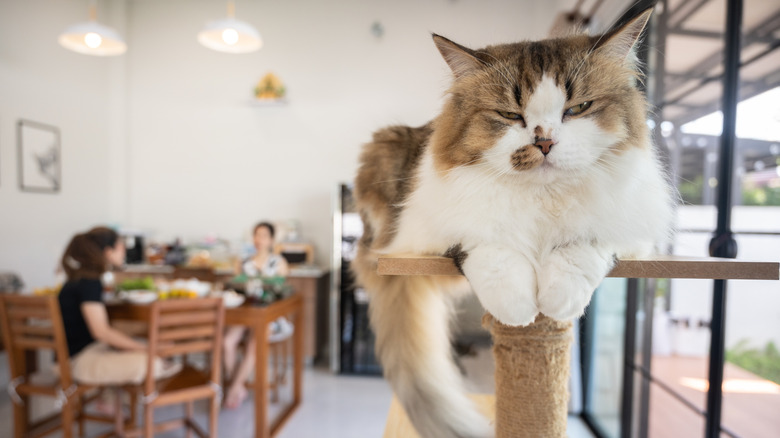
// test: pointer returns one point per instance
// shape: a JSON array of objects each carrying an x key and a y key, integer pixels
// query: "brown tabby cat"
[{"x": 537, "y": 173}]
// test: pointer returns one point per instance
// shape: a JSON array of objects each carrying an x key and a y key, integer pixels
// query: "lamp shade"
[
  {"x": 92, "y": 38},
  {"x": 231, "y": 36}
]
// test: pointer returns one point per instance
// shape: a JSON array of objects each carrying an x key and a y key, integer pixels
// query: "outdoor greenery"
[
  {"x": 761, "y": 196},
  {"x": 763, "y": 362},
  {"x": 691, "y": 191}
]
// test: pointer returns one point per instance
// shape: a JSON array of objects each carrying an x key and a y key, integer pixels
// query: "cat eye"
[
  {"x": 510, "y": 116},
  {"x": 578, "y": 109}
]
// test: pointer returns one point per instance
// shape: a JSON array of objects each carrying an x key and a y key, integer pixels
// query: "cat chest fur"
[{"x": 471, "y": 207}]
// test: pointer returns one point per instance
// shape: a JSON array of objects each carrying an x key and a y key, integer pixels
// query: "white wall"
[
  {"x": 164, "y": 139},
  {"x": 204, "y": 160},
  {"x": 40, "y": 81}
]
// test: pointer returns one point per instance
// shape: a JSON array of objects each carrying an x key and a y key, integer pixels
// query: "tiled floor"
[{"x": 334, "y": 406}]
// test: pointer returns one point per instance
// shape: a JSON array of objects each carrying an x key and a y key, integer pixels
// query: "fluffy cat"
[{"x": 538, "y": 172}]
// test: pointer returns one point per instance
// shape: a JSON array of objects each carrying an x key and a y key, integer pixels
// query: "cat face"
[{"x": 552, "y": 108}]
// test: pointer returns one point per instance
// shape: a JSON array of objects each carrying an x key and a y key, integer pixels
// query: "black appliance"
[
  {"x": 134, "y": 248},
  {"x": 353, "y": 348}
]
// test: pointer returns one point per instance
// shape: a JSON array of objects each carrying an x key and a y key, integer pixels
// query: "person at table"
[
  {"x": 263, "y": 264},
  {"x": 100, "y": 354}
]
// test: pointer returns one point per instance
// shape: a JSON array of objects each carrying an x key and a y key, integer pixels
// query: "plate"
[
  {"x": 232, "y": 299},
  {"x": 200, "y": 288},
  {"x": 139, "y": 296}
]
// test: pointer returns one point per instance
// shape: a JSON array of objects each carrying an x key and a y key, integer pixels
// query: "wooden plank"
[
  {"x": 19, "y": 312},
  {"x": 248, "y": 314},
  {"x": 655, "y": 267},
  {"x": 187, "y": 318},
  {"x": 35, "y": 330},
  {"x": 182, "y": 304},
  {"x": 416, "y": 265},
  {"x": 696, "y": 267},
  {"x": 187, "y": 332},
  {"x": 29, "y": 389},
  {"x": 181, "y": 396},
  {"x": 186, "y": 348},
  {"x": 22, "y": 342}
]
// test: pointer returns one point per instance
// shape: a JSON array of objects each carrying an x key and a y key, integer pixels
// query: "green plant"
[
  {"x": 691, "y": 191},
  {"x": 761, "y": 196},
  {"x": 145, "y": 283},
  {"x": 763, "y": 362}
]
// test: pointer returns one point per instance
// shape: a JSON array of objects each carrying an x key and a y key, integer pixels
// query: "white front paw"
[
  {"x": 504, "y": 282},
  {"x": 567, "y": 278}
]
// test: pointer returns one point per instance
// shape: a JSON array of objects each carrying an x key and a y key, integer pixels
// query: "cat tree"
[{"x": 532, "y": 362}]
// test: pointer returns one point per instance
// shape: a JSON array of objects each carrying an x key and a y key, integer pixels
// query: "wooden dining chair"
[
  {"x": 29, "y": 324},
  {"x": 182, "y": 327}
]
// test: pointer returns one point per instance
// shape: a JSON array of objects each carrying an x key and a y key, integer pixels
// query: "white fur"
[
  {"x": 413, "y": 315},
  {"x": 561, "y": 222}
]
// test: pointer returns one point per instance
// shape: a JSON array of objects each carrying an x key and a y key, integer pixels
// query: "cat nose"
[{"x": 545, "y": 144}]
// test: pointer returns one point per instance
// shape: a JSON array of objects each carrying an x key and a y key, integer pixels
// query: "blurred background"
[{"x": 176, "y": 144}]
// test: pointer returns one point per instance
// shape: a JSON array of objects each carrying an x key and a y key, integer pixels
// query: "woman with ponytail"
[{"x": 100, "y": 354}]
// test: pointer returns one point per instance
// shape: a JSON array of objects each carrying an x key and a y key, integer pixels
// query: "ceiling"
[
  {"x": 693, "y": 55},
  {"x": 689, "y": 49}
]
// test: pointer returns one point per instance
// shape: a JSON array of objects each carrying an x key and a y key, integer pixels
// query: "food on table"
[
  {"x": 201, "y": 259},
  {"x": 48, "y": 290},
  {"x": 145, "y": 283},
  {"x": 178, "y": 293},
  {"x": 232, "y": 298}
]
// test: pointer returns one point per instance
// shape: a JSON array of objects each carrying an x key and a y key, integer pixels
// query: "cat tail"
[{"x": 411, "y": 318}]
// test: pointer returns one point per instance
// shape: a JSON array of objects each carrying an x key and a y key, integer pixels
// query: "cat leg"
[
  {"x": 568, "y": 275},
  {"x": 504, "y": 281}
]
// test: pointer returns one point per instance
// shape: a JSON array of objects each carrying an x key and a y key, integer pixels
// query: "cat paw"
[
  {"x": 504, "y": 282},
  {"x": 567, "y": 279}
]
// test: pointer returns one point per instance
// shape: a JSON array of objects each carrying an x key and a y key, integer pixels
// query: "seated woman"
[
  {"x": 263, "y": 264},
  {"x": 100, "y": 354}
]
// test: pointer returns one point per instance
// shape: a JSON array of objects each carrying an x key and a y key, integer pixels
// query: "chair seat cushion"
[{"x": 100, "y": 364}]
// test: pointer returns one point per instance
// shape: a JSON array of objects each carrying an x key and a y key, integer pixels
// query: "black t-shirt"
[{"x": 72, "y": 295}]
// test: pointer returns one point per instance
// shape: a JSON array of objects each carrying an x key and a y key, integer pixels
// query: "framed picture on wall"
[{"x": 39, "y": 157}]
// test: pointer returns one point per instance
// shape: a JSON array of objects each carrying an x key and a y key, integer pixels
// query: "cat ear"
[
  {"x": 620, "y": 42},
  {"x": 462, "y": 60}
]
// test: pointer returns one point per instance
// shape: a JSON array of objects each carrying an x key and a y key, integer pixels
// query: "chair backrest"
[
  {"x": 184, "y": 326},
  {"x": 32, "y": 323}
]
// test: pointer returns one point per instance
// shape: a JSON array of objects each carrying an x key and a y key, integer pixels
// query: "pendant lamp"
[
  {"x": 92, "y": 38},
  {"x": 230, "y": 35}
]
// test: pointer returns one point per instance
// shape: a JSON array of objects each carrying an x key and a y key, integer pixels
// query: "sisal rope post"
[{"x": 532, "y": 377}]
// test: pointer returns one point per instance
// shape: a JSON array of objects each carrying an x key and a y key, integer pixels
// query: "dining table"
[{"x": 257, "y": 317}]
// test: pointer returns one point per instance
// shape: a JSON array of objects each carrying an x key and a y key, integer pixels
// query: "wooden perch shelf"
[{"x": 654, "y": 267}]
